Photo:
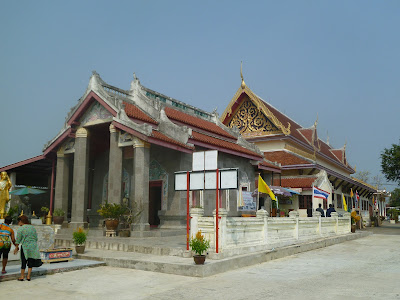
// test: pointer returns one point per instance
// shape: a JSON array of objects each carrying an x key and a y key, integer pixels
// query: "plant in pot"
[
  {"x": 45, "y": 211},
  {"x": 199, "y": 245},
  {"x": 111, "y": 213},
  {"x": 394, "y": 215},
  {"x": 354, "y": 220},
  {"x": 79, "y": 237},
  {"x": 58, "y": 216},
  {"x": 128, "y": 218}
]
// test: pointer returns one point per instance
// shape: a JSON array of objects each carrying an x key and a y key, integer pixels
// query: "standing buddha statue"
[{"x": 5, "y": 185}]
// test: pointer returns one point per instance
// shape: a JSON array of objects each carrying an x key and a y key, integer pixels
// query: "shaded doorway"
[{"x": 155, "y": 188}]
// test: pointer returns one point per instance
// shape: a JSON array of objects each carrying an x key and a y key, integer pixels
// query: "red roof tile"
[
  {"x": 285, "y": 158},
  {"x": 196, "y": 122},
  {"x": 296, "y": 182},
  {"x": 158, "y": 135},
  {"x": 134, "y": 112},
  {"x": 197, "y": 136},
  {"x": 267, "y": 164}
]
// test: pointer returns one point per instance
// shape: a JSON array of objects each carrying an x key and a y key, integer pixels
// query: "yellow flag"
[
  {"x": 264, "y": 188},
  {"x": 351, "y": 193},
  {"x": 344, "y": 203}
]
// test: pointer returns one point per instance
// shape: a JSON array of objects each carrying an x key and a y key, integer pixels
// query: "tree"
[
  {"x": 395, "y": 198},
  {"x": 362, "y": 175},
  {"x": 390, "y": 163}
]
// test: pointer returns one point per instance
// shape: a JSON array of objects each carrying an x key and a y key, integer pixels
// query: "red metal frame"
[
  {"x": 187, "y": 212},
  {"x": 216, "y": 216}
]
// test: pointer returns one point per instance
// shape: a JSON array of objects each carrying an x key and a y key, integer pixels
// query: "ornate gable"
[
  {"x": 251, "y": 121},
  {"x": 248, "y": 113}
]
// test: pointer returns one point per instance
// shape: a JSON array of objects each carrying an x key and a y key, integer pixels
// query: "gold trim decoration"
[
  {"x": 260, "y": 106},
  {"x": 243, "y": 85},
  {"x": 251, "y": 121},
  {"x": 301, "y": 152},
  {"x": 112, "y": 128},
  {"x": 81, "y": 133},
  {"x": 138, "y": 143}
]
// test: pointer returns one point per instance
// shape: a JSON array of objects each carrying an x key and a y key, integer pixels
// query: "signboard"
[
  {"x": 196, "y": 181},
  {"x": 198, "y": 161},
  {"x": 211, "y": 160},
  {"x": 250, "y": 202},
  {"x": 229, "y": 179},
  {"x": 211, "y": 180},
  {"x": 180, "y": 181}
]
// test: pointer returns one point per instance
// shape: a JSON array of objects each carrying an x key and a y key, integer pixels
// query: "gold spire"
[{"x": 243, "y": 85}]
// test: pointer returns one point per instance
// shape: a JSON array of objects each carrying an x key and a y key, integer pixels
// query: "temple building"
[
  {"x": 127, "y": 145},
  {"x": 305, "y": 160}
]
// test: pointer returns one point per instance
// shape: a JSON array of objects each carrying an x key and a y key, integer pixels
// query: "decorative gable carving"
[
  {"x": 252, "y": 122},
  {"x": 96, "y": 114}
]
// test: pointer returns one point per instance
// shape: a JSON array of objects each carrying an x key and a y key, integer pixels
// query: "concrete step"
[
  {"x": 164, "y": 246},
  {"x": 13, "y": 269},
  {"x": 185, "y": 265}
]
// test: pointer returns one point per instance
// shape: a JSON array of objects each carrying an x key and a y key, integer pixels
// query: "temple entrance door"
[{"x": 155, "y": 188}]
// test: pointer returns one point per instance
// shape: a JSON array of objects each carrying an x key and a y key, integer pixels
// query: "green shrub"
[
  {"x": 58, "y": 213},
  {"x": 79, "y": 236},
  {"x": 199, "y": 244},
  {"x": 111, "y": 211}
]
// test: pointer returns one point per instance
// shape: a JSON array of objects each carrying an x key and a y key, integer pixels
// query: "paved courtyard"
[{"x": 367, "y": 268}]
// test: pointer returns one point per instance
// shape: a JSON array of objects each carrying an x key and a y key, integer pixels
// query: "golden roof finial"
[
  {"x": 22, "y": 213},
  {"x": 243, "y": 85}
]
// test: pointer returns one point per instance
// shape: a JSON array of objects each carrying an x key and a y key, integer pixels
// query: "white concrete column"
[
  {"x": 263, "y": 214},
  {"x": 222, "y": 214},
  {"x": 294, "y": 214},
  {"x": 335, "y": 215},
  {"x": 318, "y": 214},
  {"x": 195, "y": 214}
]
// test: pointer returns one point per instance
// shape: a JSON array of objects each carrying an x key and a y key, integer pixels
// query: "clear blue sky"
[{"x": 339, "y": 59}]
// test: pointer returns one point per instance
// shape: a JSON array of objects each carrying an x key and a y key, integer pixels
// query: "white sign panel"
[
  {"x": 249, "y": 201},
  {"x": 180, "y": 181},
  {"x": 198, "y": 161},
  {"x": 229, "y": 179},
  {"x": 197, "y": 181},
  {"x": 211, "y": 180},
  {"x": 211, "y": 160}
]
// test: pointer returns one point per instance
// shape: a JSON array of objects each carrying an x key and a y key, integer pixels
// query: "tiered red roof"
[
  {"x": 296, "y": 182},
  {"x": 187, "y": 119},
  {"x": 285, "y": 158},
  {"x": 135, "y": 113},
  {"x": 200, "y": 137},
  {"x": 158, "y": 135}
]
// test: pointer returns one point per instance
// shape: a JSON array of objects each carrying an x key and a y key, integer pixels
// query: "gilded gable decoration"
[
  {"x": 273, "y": 124},
  {"x": 252, "y": 122}
]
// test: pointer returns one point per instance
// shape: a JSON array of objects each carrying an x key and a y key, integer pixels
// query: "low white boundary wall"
[{"x": 263, "y": 232}]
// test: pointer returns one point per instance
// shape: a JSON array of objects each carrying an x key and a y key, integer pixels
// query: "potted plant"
[
  {"x": 273, "y": 208},
  {"x": 354, "y": 220},
  {"x": 199, "y": 244},
  {"x": 13, "y": 213},
  {"x": 58, "y": 216},
  {"x": 394, "y": 215},
  {"x": 128, "y": 218},
  {"x": 45, "y": 211},
  {"x": 111, "y": 213},
  {"x": 79, "y": 237}
]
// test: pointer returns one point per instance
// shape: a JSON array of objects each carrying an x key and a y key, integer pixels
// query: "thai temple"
[{"x": 127, "y": 145}]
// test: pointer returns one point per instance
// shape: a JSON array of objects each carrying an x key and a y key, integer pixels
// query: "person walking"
[
  {"x": 30, "y": 255},
  {"x": 6, "y": 238},
  {"x": 320, "y": 210}
]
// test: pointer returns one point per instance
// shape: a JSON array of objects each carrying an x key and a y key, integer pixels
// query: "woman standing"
[{"x": 30, "y": 254}]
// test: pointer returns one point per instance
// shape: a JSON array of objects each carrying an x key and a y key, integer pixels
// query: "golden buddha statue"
[{"x": 5, "y": 185}]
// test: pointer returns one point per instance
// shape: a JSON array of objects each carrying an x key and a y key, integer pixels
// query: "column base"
[
  {"x": 141, "y": 227},
  {"x": 76, "y": 225}
]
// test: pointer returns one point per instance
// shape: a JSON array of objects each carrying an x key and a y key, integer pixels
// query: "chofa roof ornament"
[{"x": 243, "y": 85}]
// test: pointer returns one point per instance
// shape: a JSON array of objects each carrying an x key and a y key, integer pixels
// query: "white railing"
[{"x": 237, "y": 232}]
